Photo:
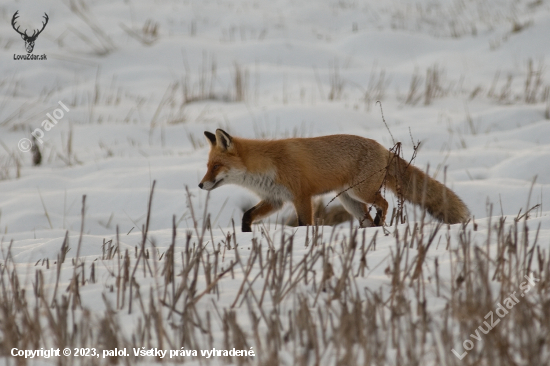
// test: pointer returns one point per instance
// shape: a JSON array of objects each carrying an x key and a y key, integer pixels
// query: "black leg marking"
[
  {"x": 247, "y": 221},
  {"x": 378, "y": 218}
]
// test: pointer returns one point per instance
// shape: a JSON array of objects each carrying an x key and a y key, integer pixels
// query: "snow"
[{"x": 129, "y": 123}]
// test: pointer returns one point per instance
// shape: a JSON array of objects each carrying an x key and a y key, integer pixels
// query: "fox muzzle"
[{"x": 210, "y": 185}]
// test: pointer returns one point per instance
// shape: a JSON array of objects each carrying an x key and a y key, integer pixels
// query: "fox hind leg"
[
  {"x": 261, "y": 210},
  {"x": 377, "y": 200},
  {"x": 358, "y": 209},
  {"x": 381, "y": 209}
]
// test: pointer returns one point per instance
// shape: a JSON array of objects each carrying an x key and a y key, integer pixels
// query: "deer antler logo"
[{"x": 29, "y": 40}]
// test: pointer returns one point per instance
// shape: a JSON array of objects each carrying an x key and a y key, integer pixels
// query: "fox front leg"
[
  {"x": 258, "y": 212},
  {"x": 304, "y": 210}
]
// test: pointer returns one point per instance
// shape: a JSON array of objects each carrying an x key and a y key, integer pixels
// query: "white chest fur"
[{"x": 264, "y": 185}]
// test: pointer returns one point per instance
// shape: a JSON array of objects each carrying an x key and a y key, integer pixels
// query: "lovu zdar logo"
[{"x": 29, "y": 40}]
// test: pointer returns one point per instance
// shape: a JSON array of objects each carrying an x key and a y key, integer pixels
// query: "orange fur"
[{"x": 297, "y": 169}]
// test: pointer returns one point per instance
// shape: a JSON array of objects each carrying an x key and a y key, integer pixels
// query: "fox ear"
[
  {"x": 223, "y": 139},
  {"x": 210, "y": 137}
]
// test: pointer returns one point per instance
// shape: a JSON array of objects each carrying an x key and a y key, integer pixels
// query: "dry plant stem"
[
  {"x": 45, "y": 209},
  {"x": 144, "y": 239},
  {"x": 384, "y": 120},
  {"x": 60, "y": 261}
]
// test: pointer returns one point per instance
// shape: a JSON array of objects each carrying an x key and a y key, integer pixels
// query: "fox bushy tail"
[{"x": 419, "y": 188}]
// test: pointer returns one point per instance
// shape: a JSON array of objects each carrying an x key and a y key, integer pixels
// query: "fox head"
[{"x": 224, "y": 163}]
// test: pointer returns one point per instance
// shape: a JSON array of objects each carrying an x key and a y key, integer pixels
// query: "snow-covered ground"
[{"x": 141, "y": 81}]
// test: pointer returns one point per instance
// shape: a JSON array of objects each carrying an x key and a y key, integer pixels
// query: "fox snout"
[{"x": 209, "y": 185}]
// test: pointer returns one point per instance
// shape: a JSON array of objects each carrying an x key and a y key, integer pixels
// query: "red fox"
[{"x": 296, "y": 169}]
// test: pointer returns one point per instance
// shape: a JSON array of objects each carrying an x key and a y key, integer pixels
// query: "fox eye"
[{"x": 216, "y": 167}]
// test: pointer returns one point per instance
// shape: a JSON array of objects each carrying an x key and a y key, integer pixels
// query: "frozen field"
[{"x": 134, "y": 84}]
